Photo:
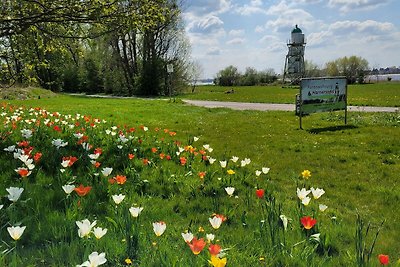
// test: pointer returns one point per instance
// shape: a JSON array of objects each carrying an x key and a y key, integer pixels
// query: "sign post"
[{"x": 320, "y": 95}]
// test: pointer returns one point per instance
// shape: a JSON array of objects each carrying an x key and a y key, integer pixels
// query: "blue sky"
[{"x": 254, "y": 33}]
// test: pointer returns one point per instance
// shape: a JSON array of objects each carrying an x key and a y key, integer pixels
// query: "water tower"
[{"x": 294, "y": 63}]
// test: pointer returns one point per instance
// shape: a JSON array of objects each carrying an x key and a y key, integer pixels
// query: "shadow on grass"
[{"x": 332, "y": 129}]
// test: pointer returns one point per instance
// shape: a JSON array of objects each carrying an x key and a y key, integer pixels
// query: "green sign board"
[{"x": 321, "y": 94}]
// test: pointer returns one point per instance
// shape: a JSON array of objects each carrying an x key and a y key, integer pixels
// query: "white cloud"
[
  {"x": 351, "y": 5},
  {"x": 200, "y": 8},
  {"x": 213, "y": 51},
  {"x": 247, "y": 10},
  {"x": 367, "y": 27},
  {"x": 236, "y": 33},
  {"x": 235, "y": 41},
  {"x": 259, "y": 29},
  {"x": 205, "y": 25}
]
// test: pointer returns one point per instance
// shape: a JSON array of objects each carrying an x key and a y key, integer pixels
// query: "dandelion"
[
  {"x": 230, "y": 172},
  {"x": 128, "y": 261},
  {"x": 135, "y": 211},
  {"x": 68, "y": 188},
  {"x": 229, "y": 190},
  {"x": 16, "y": 232},
  {"x": 85, "y": 227},
  {"x": 95, "y": 259},
  {"x": 306, "y": 174},
  {"x": 118, "y": 198},
  {"x": 14, "y": 193},
  {"x": 159, "y": 228},
  {"x": 308, "y": 222},
  {"x": 99, "y": 232},
  {"x": 322, "y": 207},
  {"x": 317, "y": 193},
  {"x": 215, "y": 222},
  {"x": 188, "y": 236},
  {"x": 197, "y": 245}
]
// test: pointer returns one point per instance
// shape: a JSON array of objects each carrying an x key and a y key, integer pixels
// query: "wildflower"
[
  {"x": 215, "y": 222},
  {"x": 201, "y": 229},
  {"x": 118, "y": 198},
  {"x": 258, "y": 173},
  {"x": 188, "y": 236},
  {"x": 128, "y": 261},
  {"x": 383, "y": 259},
  {"x": 94, "y": 156},
  {"x": 305, "y": 201},
  {"x": 229, "y": 190},
  {"x": 95, "y": 259},
  {"x": 234, "y": 159},
  {"x": 16, "y": 231},
  {"x": 14, "y": 193},
  {"x": 59, "y": 143},
  {"x": 159, "y": 228},
  {"x": 223, "y": 163},
  {"x": 210, "y": 237},
  {"x": 217, "y": 262},
  {"x": 26, "y": 133},
  {"x": 68, "y": 188},
  {"x": 308, "y": 222},
  {"x": 99, "y": 232},
  {"x": 265, "y": 170},
  {"x": 284, "y": 221},
  {"x": 135, "y": 211},
  {"x": 121, "y": 179},
  {"x": 207, "y": 147},
  {"x": 197, "y": 245},
  {"x": 85, "y": 227},
  {"x": 23, "y": 172},
  {"x": 10, "y": 148},
  {"x": 82, "y": 190},
  {"x": 37, "y": 156},
  {"x": 202, "y": 175},
  {"x": 68, "y": 161},
  {"x": 245, "y": 162},
  {"x": 131, "y": 156},
  {"x": 182, "y": 160},
  {"x": 322, "y": 207},
  {"x": 214, "y": 249},
  {"x": 106, "y": 171},
  {"x": 302, "y": 193},
  {"x": 317, "y": 193},
  {"x": 260, "y": 193},
  {"x": 306, "y": 174},
  {"x": 230, "y": 172}
]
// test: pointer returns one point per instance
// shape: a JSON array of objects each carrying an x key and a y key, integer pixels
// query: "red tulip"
[
  {"x": 383, "y": 259},
  {"x": 308, "y": 222},
  {"x": 214, "y": 249},
  {"x": 197, "y": 245},
  {"x": 260, "y": 193}
]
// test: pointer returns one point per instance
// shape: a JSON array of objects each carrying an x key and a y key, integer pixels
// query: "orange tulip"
[
  {"x": 197, "y": 245},
  {"x": 82, "y": 190},
  {"x": 121, "y": 179},
  {"x": 214, "y": 249}
]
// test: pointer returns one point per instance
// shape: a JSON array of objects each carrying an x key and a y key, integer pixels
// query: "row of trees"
[
  {"x": 353, "y": 68},
  {"x": 230, "y": 76},
  {"x": 119, "y": 46}
]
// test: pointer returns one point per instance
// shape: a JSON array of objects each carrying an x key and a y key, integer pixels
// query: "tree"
[
  {"x": 312, "y": 69},
  {"x": 228, "y": 77},
  {"x": 353, "y": 68}
]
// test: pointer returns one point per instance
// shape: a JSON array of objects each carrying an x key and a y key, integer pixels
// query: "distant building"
[{"x": 294, "y": 64}]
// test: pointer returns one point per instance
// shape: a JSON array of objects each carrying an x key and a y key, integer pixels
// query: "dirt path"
[{"x": 282, "y": 107}]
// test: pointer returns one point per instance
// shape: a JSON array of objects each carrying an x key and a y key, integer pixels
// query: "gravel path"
[{"x": 282, "y": 107}]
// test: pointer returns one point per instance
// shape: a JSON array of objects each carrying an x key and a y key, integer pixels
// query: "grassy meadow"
[
  {"x": 357, "y": 165},
  {"x": 377, "y": 94}
]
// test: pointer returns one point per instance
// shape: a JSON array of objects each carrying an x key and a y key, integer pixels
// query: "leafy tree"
[
  {"x": 353, "y": 68},
  {"x": 312, "y": 69},
  {"x": 228, "y": 77}
]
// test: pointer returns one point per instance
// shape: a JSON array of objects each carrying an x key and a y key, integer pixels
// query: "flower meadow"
[{"x": 80, "y": 191}]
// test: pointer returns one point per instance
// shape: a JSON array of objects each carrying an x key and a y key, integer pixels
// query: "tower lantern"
[{"x": 294, "y": 63}]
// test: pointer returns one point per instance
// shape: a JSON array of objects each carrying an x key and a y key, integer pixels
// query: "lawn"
[
  {"x": 378, "y": 94},
  {"x": 357, "y": 165}
]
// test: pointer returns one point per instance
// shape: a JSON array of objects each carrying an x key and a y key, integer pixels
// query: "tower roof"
[{"x": 296, "y": 30}]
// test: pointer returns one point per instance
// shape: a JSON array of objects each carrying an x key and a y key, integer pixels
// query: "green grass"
[
  {"x": 358, "y": 165},
  {"x": 378, "y": 94},
  {"x": 15, "y": 93}
]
